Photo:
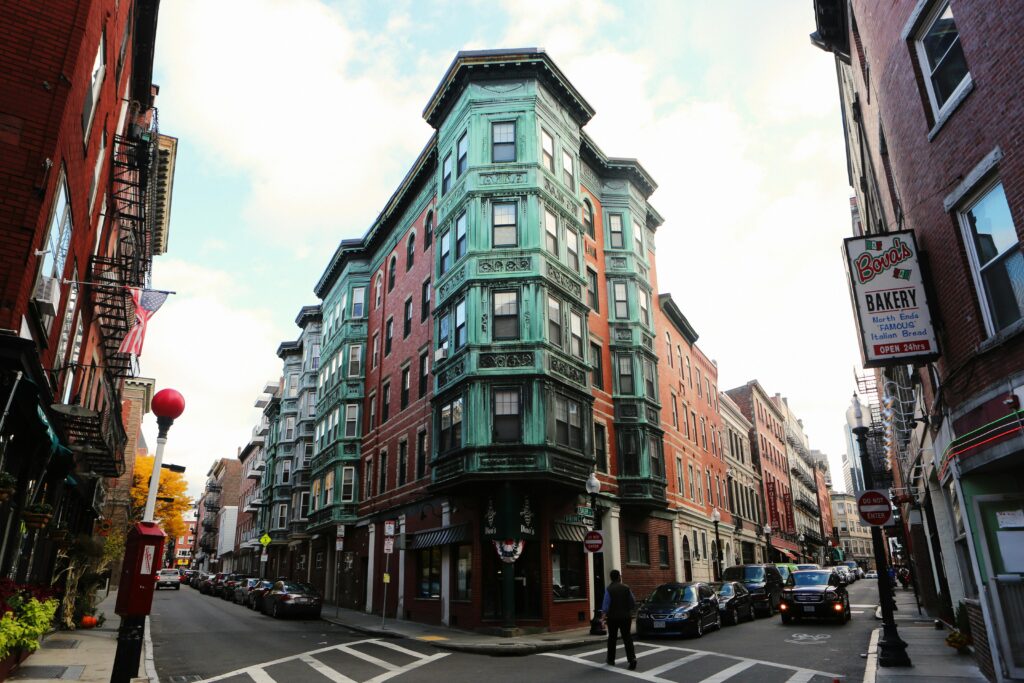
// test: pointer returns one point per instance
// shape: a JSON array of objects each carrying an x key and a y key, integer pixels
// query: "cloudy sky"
[{"x": 298, "y": 118}]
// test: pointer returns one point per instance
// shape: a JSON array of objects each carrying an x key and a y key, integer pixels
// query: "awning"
[
  {"x": 444, "y": 535},
  {"x": 786, "y": 553},
  {"x": 569, "y": 532}
]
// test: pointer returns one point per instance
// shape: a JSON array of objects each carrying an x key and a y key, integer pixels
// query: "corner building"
[{"x": 489, "y": 343}]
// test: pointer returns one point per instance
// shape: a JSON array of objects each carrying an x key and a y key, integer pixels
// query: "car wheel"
[
  {"x": 276, "y": 612},
  {"x": 751, "y": 613},
  {"x": 847, "y": 615},
  {"x": 700, "y": 627},
  {"x": 734, "y": 616},
  {"x": 718, "y": 621}
]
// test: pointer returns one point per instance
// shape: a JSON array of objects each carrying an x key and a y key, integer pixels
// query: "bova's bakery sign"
[{"x": 888, "y": 299}]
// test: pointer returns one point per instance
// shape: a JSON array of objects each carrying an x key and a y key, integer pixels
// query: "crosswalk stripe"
[
  {"x": 726, "y": 674},
  {"x": 642, "y": 653},
  {"x": 367, "y": 658},
  {"x": 801, "y": 676},
  {"x": 325, "y": 670},
  {"x": 282, "y": 660},
  {"x": 259, "y": 675},
  {"x": 399, "y": 648},
  {"x": 675, "y": 663},
  {"x": 409, "y": 667},
  {"x": 586, "y": 662}
]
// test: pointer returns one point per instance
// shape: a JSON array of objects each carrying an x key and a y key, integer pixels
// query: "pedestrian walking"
[
  {"x": 904, "y": 576},
  {"x": 617, "y": 609}
]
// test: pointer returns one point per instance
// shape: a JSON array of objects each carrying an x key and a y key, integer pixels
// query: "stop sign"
[
  {"x": 593, "y": 541},
  {"x": 874, "y": 507}
]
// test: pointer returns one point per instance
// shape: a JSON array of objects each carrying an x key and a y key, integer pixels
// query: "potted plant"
[
  {"x": 8, "y": 485},
  {"x": 958, "y": 640},
  {"x": 37, "y": 515},
  {"x": 58, "y": 533}
]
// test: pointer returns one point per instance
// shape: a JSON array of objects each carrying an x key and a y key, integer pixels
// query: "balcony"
[
  {"x": 254, "y": 468},
  {"x": 210, "y": 524},
  {"x": 95, "y": 432},
  {"x": 253, "y": 504},
  {"x": 512, "y": 461},
  {"x": 802, "y": 476},
  {"x": 212, "y": 503},
  {"x": 343, "y": 513},
  {"x": 809, "y": 506},
  {"x": 213, "y": 487},
  {"x": 642, "y": 492}
]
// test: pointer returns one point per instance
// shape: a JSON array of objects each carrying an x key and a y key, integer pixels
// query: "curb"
[
  {"x": 366, "y": 630},
  {"x": 871, "y": 663},
  {"x": 147, "y": 654}
]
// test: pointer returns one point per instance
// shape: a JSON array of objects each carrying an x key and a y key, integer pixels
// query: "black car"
[
  {"x": 762, "y": 580},
  {"x": 227, "y": 588},
  {"x": 734, "y": 602},
  {"x": 289, "y": 598},
  {"x": 679, "y": 608},
  {"x": 815, "y": 593},
  {"x": 254, "y": 595}
]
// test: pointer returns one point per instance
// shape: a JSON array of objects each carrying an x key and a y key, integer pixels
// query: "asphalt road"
[{"x": 196, "y": 637}]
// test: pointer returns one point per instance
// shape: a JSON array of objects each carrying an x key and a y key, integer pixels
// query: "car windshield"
[
  {"x": 724, "y": 589},
  {"x": 673, "y": 594},
  {"x": 810, "y": 578},
  {"x": 290, "y": 587},
  {"x": 168, "y": 572},
  {"x": 807, "y": 566},
  {"x": 745, "y": 573},
  {"x": 784, "y": 571}
]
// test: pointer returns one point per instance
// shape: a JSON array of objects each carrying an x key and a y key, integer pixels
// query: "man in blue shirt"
[{"x": 617, "y": 608}]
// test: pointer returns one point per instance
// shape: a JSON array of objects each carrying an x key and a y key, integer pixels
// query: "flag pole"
[{"x": 111, "y": 284}]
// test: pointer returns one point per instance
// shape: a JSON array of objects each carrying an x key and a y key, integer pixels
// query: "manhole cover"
[
  {"x": 64, "y": 673},
  {"x": 59, "y": 644}
]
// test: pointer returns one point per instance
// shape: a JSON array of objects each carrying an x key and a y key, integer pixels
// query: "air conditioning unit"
[
  {"x": 441, "y": 353},
  {"x": 46, "y": 295}
]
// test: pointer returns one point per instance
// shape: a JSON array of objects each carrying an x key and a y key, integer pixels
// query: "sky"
[{"x": 297, "y": 119}]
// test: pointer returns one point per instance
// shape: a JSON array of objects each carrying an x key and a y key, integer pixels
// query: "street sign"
[
  {"x": 387, "y": 577},
  {"x": 389, "y": 545},
  {"x": 341, "y": 531},
  {"x": 593, "y": 542},
  {"x": 339, "y": 543},
  {"x": 389, "y": 527},
  {"x": 265, "y": 540},
  {"x": 874, "y": 507},
  {"x": 264, "y": 556}
]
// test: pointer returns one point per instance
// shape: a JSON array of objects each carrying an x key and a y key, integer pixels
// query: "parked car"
[
  {"x": 762, "y": 580},
  {"x": 254, "y": 598},
  {"x": 816, "y": 594},
  {"x": 242, "y": 589},
  {"x": 734, "y": 601},
  {"x": 197, "y": 579},
  {"x": 785, "y": 568},
  {"x": 211, "y": 584},
  {"x": 227, "y": 588},
  {"x": 185, "y": 575},
  {"x": 852, "y": 567},
  {"x": 679, "y": 608},
  {"x": 871, "y": 574},
  {"x": 287, "y": 598},
  {"x": 168, "y": 578},
  {"x": 844, "y": 573},
  {"x": 808, "y": 566}
]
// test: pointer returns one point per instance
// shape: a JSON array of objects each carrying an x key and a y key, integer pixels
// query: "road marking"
[
  {"x": 644, "y": 653},
  {"x": 865, "y": 606},
  {"x": 856, "y": 611},
  {"x": 601, "y": 665},
  {"x": 726, "y": 674},
  {"x": 368, "y": 658},
  {"x": 259, "y": 675},
  {"x": 673, "y": 664},
  {"x": 407, "y": 668},
  {"x": 325, "y": 670},
  {"x": 399, "y": 648},
  {"x": 801, "y": 676}
]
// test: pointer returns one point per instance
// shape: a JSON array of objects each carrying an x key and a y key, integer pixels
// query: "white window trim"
[{"x": 940, "y": 114}]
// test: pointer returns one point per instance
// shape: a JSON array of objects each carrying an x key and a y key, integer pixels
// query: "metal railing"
[{"x": 1008, "y": 598}]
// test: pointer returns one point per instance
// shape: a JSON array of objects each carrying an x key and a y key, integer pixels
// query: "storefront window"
[
  {"x": 463, "y": 572},
  {"x": 428, "y": 563},
  {"x": 568, "y": 575}
]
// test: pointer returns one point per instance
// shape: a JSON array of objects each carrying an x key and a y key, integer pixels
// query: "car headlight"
[
  {"x": 681, "y": 612},
  {"x": 834, "y": 597}
]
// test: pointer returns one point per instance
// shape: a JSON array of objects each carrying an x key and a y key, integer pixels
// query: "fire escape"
[{"x": 867, "y": 386}]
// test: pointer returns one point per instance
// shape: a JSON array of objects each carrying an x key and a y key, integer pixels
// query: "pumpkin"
[{"x": 88, "y": 621}]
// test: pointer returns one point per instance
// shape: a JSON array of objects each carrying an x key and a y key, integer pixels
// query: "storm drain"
[
  {"x": 59, "y": 644},
  {"x": 62, "y": 673}
]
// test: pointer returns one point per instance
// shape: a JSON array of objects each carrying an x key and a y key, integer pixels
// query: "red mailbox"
[{"x": 143, "y": 555}]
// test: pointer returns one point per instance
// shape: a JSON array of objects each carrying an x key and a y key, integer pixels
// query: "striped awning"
[
  {"x": 444, "y": 535},
  {"x": 570, "y": 532}
]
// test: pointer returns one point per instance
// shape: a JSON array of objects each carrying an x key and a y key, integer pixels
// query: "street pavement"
[{"x": 199, "y": 638}]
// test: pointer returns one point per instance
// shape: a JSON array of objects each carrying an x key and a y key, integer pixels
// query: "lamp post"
[
  {"x": 716, "y": 517},
  {"x": 596, "y": 627},
  {"x": 892, "y": 651},
  {"x": 803, "y": 548},
  {"x": 767, "y": 543}
]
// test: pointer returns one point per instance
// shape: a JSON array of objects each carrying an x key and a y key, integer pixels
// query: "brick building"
[
  {"x": 744, "y": 485},
  {"x": 221, "y": 492},
  {"x": 85, "y": 186},
  {"x": 932, "y": 117}
]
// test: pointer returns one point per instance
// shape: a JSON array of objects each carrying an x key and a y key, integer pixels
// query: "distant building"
[{"x": 854, "y": 536}]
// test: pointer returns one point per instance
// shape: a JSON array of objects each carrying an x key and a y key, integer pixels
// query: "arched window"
[
  {"x": 377, "y": 290},
  {"x": 588, "y": 218},
  {"x": 410, "y": 252},
  {"x": 428, "y": 230},
  {"x": 668, "y": 348},
  {"x": 391, "y": 273}
]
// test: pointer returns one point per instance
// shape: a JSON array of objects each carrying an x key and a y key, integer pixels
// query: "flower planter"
[
  {"x": 36, "y": 520},
  {"x": 10, "y": 663}
]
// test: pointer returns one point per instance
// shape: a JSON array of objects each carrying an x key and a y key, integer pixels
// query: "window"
[
  {"x": 385, "y": 403},
  {"x": 460, "y": 324},
  {"x": 389, "y": 333},
  {"x": 376, "y": 349},
  {"x": 654, "y": 453},
  {"x": 572, "y": 250},
  {"x": 629, "y": 456},
  {"x": 284, "y": 471},
  {"x": 348, "y": 484},
  {"x": 462, "y": 153},
  {"x": 507, "y": 415},
  {"x": 428, "y": 230},
  {"x": 689, "y": 471},
  {"x": 996, "y": 257},
  {"x": 601, "y": 447},
  {"x": 407, "y": 318},
  {"x": 645, "y": 305},
  {"x": 555, "y": 321},
  {"x": 567, "y": 174},
  {"x": 550, "y": 232},
  {"x": 592, "y": 299},
  {"x": 506, "y": 315},
  {"x": 92, "y": 94},
  {"x": 424, "y": 300},
  {"x": 428, "y": 577},
  {"x": 403, "y": 462},
  {"x": 637, "y": 551},
  {"x": 588, "y": 218},
  {"x": 675, "y": 411},
  {"x": 638, "y": 237},
  {"x": 424, "y": 373},
  {"x": 281, "y": 518},
  {"x": 663, "y": 551},
  {"x": 547, "y": 150},
  {"x": 621, "y": 302},
  {"x": 404, "y": 395},
  {"x": 568, "y": 571},
  {"x": 679, "y": 476},
  {"x": 392, "y": 268},
  {"x": 568, "y": 429},
  {"x": 289, "y": 428},
  {"x": 625, "y": 372},
  {"x": 382, "y": 472},
  {"x": 358, "y": 295},
  {"x": 303, "y": 507},
  {"x": 54, "y": 259},
  {"x": 351, "y": 419},
  {"x": 615, "y": 228},
  {"x": 410, "y": 252},
  {"x": 378, "y": 289},
  {"x": 942, "y": 59},
  {"x": 576, "y": 334},
  {"x": 503, "y": 141},
  {"x": 451, "y": 425},
  {"x": 597, "y": 367},
  {"x": 443, "y": 323},
  {"x": 355, "y": 360},
  {"x": 503, "y": 225},
  {"x": 421, "y": 455},
  {"x": 460, "y": 236},
  {"x": 446, "y": 175},
  {"x": 463, "y": 568},
  {"x": 445, "y": 255}
]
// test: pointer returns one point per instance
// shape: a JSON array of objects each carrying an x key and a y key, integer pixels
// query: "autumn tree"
[{"x": 171, "y": 501}]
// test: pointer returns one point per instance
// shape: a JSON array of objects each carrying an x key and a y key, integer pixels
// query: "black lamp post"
[
  {"x": 596, "y": 627},
  {"x": 716, "y": 517},
  {"x": 767, "y": 543},
  {"x": 892, "y": 651},
  {"x": 803, "y": 546}
]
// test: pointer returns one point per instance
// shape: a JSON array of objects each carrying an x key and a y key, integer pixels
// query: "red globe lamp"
[{"x": 167, "y": 405}]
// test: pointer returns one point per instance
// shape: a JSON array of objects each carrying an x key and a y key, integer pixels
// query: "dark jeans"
[{"x": 614, "y": 627}]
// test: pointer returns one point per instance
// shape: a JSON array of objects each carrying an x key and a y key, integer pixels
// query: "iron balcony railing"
[{"x": 89, "y": 407}]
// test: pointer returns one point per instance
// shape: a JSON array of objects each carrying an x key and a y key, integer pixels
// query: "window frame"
[
  {"x": 509, "y": 144},
  {"x": 596, "y": 366},
  {"x": 410, "y": 252},
  {"x": 620, "y": 304},
  {"x": 568, "y": 173},
  {"x": 462, "y": 155},
  {"x": 593, "y": 297},
  {"x": 510, "y": 419},
  {"x": 547, "y": 153},
  {"x": 461, "y": 236},
  {"x": 495, "y": 226},
  {"x": 554, "y": 325},
  {"x": 638, "y": 548},
  {"x": 551, "y": 231},
  {"x": 446, "y": 174},
  {"x": 407, "y": 318},
  {"x": 505, "y": 317},
  {"x": 588, "y": 218},
  {"x": 939, "y": 111},
  {"x": 616, "y": 239}
]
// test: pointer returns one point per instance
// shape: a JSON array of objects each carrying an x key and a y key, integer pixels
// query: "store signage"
[
  {"x": 787, "y": 504},
  {"x": 889, "y": 301},
  {"x": 510, "y": 517},
  {"x": 773, "y": 509}
]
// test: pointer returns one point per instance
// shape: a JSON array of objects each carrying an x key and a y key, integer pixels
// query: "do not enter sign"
[
  {"x": 593, "y": 542},
  {"x": 874, "y": 507}
]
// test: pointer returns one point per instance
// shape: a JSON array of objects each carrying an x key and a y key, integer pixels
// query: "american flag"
[{"x": 147, "y": 302}]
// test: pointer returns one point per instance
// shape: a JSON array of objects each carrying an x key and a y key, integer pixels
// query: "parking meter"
[{"x": 143, "y": 553}]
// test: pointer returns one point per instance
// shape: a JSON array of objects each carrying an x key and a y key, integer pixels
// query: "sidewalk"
[
  {"x": 456, "y": 639},
  {"x": 80, "y": 655},
  {"x": 933, "y": 660}
]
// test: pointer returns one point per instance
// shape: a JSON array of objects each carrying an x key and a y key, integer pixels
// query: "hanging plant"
[{"x": 37, "y": 515}]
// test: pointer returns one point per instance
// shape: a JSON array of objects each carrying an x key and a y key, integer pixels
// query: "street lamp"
[
  {"x": 803, "y": 547},
  {"x": 596, "y": 627},
  {"x": 716, "y": 517},
  {"x": 167, "y": 405},
  {"x": 892, "y": 651},
  {"x": 767, "y": 543}
]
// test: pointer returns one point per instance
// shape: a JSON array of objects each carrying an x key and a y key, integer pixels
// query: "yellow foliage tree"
[{"x": 169, "y": 513}]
